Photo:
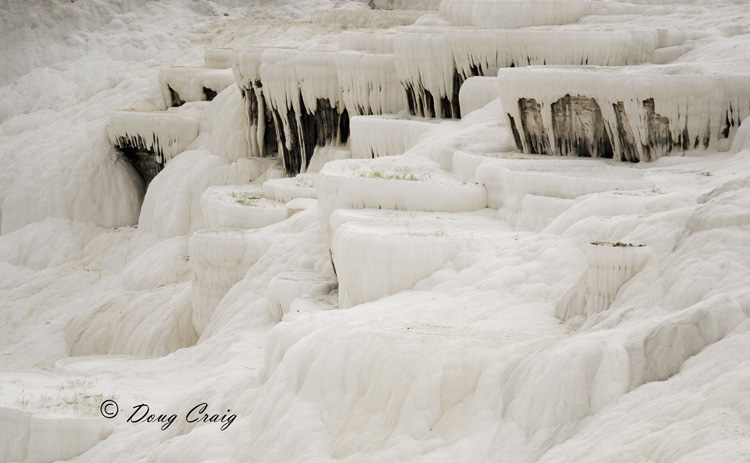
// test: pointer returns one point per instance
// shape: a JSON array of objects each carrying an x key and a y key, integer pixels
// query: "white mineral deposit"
[{"x": 271, "y": 231}]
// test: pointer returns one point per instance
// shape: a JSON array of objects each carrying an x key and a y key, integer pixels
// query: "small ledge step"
[
  {"x": 510, "y": 180},
  {"x": 181, "y": 84},
  {"x": 40, "y": 436},
  {"x": 217, "y": 58},
  {"x": 401, "y": 183},
  {"x": 379, "y": 253},
  {"x": 386, "y": 135},
  {"x": 287, "y": 189},
  {"x": 240, "y": 206}
]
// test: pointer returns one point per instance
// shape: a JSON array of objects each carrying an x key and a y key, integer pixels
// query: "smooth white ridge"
[
  {"x": 228, "y": 127},
  {"x": 508, "y": 182},
  {"x": 380, "y": 253}
]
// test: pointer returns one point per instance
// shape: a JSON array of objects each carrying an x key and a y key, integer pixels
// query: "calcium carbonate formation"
[
  {"x": 150, "y": 139},
  {"x": 299, "y": 100},
  {"x": 181, "y": 84},
  {"x": 615, "y": 112},
  {"x": 382, "y": 224}
]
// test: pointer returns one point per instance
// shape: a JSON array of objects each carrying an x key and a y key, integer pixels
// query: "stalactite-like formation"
[
  {"x": 293, "y": 96},
  {"x": 150, "y": 139},
  {"x": 616, "y": 113},
  {"x": 433, "y": 62}
]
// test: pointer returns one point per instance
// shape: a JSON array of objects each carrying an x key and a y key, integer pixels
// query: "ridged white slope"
[
  {"x": 367, "y": 73},
  {"x": 219, "y": 258},
  {"x": 610, "y": 265}
]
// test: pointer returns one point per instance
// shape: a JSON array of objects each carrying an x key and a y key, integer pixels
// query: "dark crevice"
[
  {"x": 533, "y": 126},
  {"x": 659, "y": 136},
  {"x": 579, "y": 128},
  {"x": 176, "y": 100},
  {"x": 516, "y": 135},
  {"x": 209, "y": 94},
  {"x": 146, "y": 162},
  {"x": 628, "y": 150}
]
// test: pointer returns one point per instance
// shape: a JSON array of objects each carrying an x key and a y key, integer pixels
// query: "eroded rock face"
[
  {"x": 628, "y": 151},
  {"x": 422, "y": 102},
  {"x": 149, "y": 139},
  {"x": 659, "y": 136},
  {"x": 175, "y": 98},
  {"x": 579, "y": 128},
  {"x": 616, "y": 113},
  {"x": 533, "y": 126},
  {"x": 299, "y": 134},
  {"x": 261, "y": 127},
  {"x": 146, "y": 163}
]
